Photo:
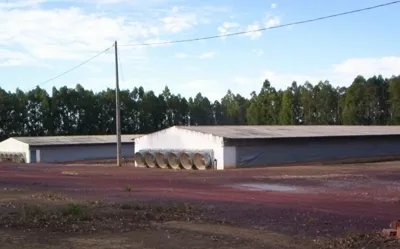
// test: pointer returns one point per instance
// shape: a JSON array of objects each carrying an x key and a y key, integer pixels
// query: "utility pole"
[{"x": 117, "y": 107}]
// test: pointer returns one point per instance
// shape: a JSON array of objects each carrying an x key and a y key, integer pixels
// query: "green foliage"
[
  {"x": 66, "y": 111},
  {"x": 75, "y": 210},
  {"x": 286, "y": 114}
]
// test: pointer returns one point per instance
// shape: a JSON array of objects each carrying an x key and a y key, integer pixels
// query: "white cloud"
[
  {"x": 243, "y": 80},
  {"x": 14, "y": 58},
  {"x": 274, "y": 5},
  {"x": 111, "y": 1},
  {"x": 95, "y": 83},
  {"x": 101, "y": 3},
  {"x": 157, "y": 42},
  {"x": 74, "y": 34},
  {"x": 199, "y": 84},
  {"x": 193, "y": 69},
  {"x": 272, "y": 22},
  {"x": 217, "y": 9},
  {"x": 234, "y": 27},
  {"x": 204, "y": 86},
  {"x": 178, "y": 22},
  {"x": 207, "y": 55},
  {"x": 384, "y": 65},
  {"x": 252, "y": 33},
  {"x": 181, "y": 55},
  {"x": 346, "y": 71},
  {"x": 284, "y": 80},
  {"x": 278, "y": 80},
  {"x": 65, "y": 33},
  {"x": 20, "y": 3},
  {"x": 341, "y": 74},
  {"x": 258, "y": 52},
  {"x": 228, "y": 27}
]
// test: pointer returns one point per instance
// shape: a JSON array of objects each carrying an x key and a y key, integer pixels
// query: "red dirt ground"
[{"x": 328, "y": 200}]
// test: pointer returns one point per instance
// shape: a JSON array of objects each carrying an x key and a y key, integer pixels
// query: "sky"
[{"x": 40, "y": 39}]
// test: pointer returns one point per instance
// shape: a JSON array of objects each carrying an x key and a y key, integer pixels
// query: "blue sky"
[{"x": 41, "y": 38}]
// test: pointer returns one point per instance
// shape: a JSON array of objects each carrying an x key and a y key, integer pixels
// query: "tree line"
[{"x": 78, "y": 111}]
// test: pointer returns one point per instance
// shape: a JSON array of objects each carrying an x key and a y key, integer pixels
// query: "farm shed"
[
  {"x": 258, "y": 146},
  {"x": 66, "y": 148}
]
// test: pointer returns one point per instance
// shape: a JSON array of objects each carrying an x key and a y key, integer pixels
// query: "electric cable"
[
  {"x": 75, "y": 67},
  {"x": 262, "y": 29}
]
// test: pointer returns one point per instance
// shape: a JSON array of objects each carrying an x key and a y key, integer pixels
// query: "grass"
[
  {"x": 76, "y": 210},
  {"x": 98, "y": 218},
  {"x": 67, "y": 223},
  {"x": 361, "y": 240},
  {"x": 31, "y": 212},
  {"x": 91, "y": 216},
  {"x": 92, "y": 219}
]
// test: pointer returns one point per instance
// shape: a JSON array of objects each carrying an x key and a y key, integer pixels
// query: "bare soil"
[{"x": 93, "y": 206}]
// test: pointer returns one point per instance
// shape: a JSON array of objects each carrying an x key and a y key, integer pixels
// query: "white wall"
[
  {"x": 175, "y": 138},
  {"x": 67, "y": 153},
  {"x": 229, "y": 157},
  {"x": 14, "y": 146}
]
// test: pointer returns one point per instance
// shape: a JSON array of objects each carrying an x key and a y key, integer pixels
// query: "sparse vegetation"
[
  {"x": 366, "y": 241},
  {"x": 91, "y": 215},
  {"x": 171, "y": 208},
  {"x": 31, "y": 212},
  {"x": 135, "y": 221},
  {"x": 75, "y": 210},
  {"x": 49, "y": 196}
]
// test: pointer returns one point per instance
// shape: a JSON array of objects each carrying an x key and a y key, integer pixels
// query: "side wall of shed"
[
  {"x": 14, "y": 146},
  {"x": 291, "y": 151},
  {"x": 230, "y": 157},
  {"x": 70, "y": 153},
  {"x": 180, "y": 139}
]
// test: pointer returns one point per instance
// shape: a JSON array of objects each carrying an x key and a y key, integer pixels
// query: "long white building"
[
  {"x": 258, "y": 146},
  {"x": 66, "y": 148}
]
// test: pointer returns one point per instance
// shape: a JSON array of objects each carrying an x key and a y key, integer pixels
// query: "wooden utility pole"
[{"x": 117, "y": 107}]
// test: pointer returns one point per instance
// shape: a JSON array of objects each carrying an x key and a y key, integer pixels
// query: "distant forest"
[{"x": 65, "y": 111}]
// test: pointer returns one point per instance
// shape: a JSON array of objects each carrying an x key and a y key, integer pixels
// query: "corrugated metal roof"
[
  {"x": 278, "y": 131},
  {"x": 73, "y": 140}
]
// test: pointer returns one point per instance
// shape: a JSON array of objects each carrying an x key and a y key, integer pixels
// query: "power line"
[
  {"x": 263, "y": 29},
  {"x": 224, "y": 35},
  {"x": 77, "y": 66}
]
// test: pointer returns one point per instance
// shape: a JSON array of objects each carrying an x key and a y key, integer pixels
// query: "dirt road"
[{"x": 302, "y": 203}]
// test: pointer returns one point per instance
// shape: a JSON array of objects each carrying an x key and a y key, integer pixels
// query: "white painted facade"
[
  {"x": 261, "y": 146},
  {"x": 50, "y": 154},
  {"x": 229, "y": 157},
  {"x": 176, "y": 138},
  {"x": 14, "y": 146}
]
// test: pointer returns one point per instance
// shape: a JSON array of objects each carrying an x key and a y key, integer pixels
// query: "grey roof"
[
  {"x": 284, "y": 131},
  {"x": 74, "y": 140}
]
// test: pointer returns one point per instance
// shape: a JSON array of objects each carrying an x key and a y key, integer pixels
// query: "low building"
[
  {"x": 52, "y": 149},
  {"x": 259, "y": 146}
]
